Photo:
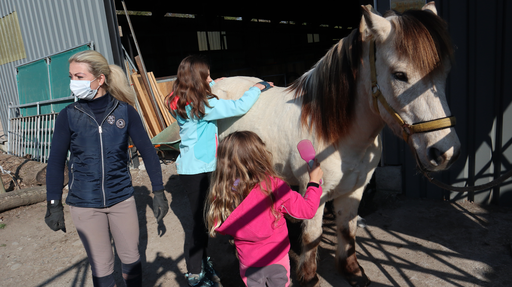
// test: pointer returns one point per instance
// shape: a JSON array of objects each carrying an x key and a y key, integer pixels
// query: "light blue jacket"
[{"x": 199, "y": 137}]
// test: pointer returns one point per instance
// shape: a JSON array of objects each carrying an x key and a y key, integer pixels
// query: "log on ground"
[
  {"x": 24, "y": 172},
  {"x": 21, "y": 197}
]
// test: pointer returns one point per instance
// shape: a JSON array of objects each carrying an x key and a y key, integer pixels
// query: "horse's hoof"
[
  {"x": 359, "y": 281},
  {"x": 313, "y": 282}
]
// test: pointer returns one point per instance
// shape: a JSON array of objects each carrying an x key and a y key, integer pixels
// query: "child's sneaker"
[
  {"x": 198, "y": 280},
  {"x": 192, "y": 279},
  {"x": 210, "y": 272}
]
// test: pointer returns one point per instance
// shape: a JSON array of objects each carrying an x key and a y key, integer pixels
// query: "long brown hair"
[
  {"x": 242, "y": 163},
  {"x": 190, "y": 88}
]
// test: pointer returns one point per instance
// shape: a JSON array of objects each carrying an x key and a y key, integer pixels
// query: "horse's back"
[
  {"x": 273, "y": 108},
  {"x": 274, "y": 117},
  {"x": 233, "y": 88}
]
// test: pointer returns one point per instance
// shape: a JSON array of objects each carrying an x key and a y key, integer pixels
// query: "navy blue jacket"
[
  {"x": 98, "y": 165},
  {"x": 99, "y": 174}
]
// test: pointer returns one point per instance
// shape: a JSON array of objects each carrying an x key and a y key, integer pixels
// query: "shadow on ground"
[{"x": 405, "y": 243}]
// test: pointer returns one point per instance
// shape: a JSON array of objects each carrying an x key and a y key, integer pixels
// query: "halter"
[{"x": 407, "y": 129}]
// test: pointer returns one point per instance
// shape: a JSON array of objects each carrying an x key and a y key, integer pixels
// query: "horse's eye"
[{"x": 401, "y": 76}]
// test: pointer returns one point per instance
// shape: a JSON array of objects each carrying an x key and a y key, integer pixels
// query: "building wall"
[{"x": 49, "y": 27}]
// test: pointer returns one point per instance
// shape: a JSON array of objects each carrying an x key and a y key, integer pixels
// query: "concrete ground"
[{"x": 405, "y": 243}]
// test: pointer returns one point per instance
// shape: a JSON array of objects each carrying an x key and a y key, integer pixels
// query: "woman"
[
  {"x": 95, "y": 130},
  {"x": 197, "y": 110}
]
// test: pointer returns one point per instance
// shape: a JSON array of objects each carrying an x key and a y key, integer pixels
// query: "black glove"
[
  {"x": 55, "y": 215},
  {"x": 267, "y": 86},
  {"x": 160, "y": 204}
]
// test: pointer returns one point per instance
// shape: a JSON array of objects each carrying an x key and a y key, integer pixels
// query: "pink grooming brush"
[{"x": 307, "y": 152}]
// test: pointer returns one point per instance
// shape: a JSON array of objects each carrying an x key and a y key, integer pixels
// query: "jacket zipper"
[
  {"x": 100, "y": 131},
  {"x": 72, "y": 176}
]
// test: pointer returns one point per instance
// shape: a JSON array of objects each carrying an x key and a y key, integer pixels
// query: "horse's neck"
[{"x": 366, "y": 125}]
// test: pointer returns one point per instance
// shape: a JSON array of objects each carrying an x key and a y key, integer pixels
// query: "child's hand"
[
  {"x": 263, "y": 87},
  {"x": 315, "y": 173}
]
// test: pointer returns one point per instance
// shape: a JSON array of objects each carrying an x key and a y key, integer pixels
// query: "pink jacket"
[{"x": 258, "y": 239}]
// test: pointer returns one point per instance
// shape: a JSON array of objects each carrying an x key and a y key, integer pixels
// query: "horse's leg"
[
  {"x": 345, "y": 209},
  {"x": 311, "y": 236}
]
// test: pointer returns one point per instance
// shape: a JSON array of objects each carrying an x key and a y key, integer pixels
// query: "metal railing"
[{"x": 31, "y": 136}]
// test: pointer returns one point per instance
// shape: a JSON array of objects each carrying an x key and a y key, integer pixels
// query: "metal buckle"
[
  {"x": 407, "y": 129},
  {"x": 375, "y": 88}
]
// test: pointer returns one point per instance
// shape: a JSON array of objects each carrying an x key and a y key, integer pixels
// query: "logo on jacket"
[
  {"x": 111, "y": 119},
  {"x": 120, "y": 123}
]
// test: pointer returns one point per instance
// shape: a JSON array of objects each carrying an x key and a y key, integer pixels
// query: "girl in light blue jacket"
[{"x": 197, "y": 110}]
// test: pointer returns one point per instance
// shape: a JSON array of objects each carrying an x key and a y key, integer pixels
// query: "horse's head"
[{"x": 410, "y": 55}]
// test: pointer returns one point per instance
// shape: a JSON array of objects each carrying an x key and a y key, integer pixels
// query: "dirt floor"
[{"x": 405, "y": 243}]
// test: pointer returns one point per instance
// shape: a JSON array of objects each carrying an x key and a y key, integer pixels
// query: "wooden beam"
[
  {"x": 146, "y": 106},
  {"x": 150, "y": 92},
  {"x": 160, "y": 100}
]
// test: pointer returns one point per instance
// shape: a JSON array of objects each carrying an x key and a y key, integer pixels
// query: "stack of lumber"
[{"x": 151, "y": 98}]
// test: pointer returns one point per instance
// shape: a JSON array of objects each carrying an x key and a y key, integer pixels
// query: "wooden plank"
[
  {"x": 151, "y": 96},
  {"x": 165, "y": 87},
  {"x": 137, "y": 105},
  {"x": 160, "y": 100},
  {"x": 143, "y": 108},
  {"x": 146, "y": 106}
]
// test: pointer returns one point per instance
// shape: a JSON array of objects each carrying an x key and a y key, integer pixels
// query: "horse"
[{"x": 391, "y": 70}]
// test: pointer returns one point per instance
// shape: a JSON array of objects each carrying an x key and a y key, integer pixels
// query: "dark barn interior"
[{"x": 277, "y": 43}]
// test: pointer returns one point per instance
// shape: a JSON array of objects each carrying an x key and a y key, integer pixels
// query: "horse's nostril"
[{"x": 435, "y": 156}]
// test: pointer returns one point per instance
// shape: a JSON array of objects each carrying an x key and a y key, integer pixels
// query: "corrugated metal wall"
[
  {"x": 49, "y": 27},
  {"x": 478, "y": 95}
]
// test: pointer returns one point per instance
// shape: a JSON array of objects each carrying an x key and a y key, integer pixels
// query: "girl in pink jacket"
[{"x": 247, "y": 200}]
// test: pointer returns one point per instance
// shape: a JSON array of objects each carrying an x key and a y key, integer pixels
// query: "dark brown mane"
[
  {"x": 422, "y": 37},
  {"x": 328, "y": 90}
]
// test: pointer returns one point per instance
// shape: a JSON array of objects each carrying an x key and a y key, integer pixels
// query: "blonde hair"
[
  {"x": 116, "y": 82},
  {"x": 242, "y": 163}
]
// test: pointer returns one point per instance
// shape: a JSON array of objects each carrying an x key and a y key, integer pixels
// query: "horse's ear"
[
  {"x": 431, "y": 6},
  {"x": 370, "y": 7},
  {"x": 362, "y": 28},
  {"x": 379, "y": 26}
]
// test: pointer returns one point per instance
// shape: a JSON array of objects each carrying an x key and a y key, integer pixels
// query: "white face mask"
[{"x": 82, "y": 89}]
